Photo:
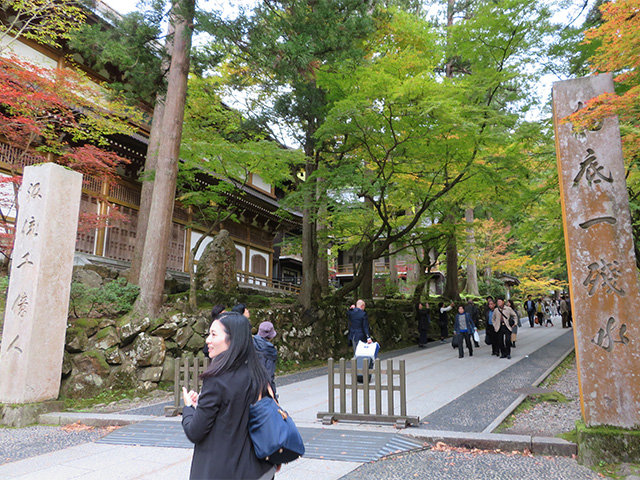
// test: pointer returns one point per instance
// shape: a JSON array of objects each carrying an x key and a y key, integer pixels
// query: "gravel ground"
[
  {"x": 20, "y": 443},
  {"x": 458, "y": 464},
  {"x": 549, "y": 419}
]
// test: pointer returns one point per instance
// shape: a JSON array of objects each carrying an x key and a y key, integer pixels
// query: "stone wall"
[{"x": 139, "y": 352}]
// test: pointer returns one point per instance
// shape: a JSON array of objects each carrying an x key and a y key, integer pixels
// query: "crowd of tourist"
[{"x": 501, "y": 319}]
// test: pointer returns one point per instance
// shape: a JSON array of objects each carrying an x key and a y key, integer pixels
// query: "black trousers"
[
  {"x": 531, "y": 314},
  {"x": 504, "y": 340},
  {"x": 466, "y": 336},
  {"x": 444, "y": 330},
  {"x": 423, "y": 337},
  {"x": 493, "y": 335}
]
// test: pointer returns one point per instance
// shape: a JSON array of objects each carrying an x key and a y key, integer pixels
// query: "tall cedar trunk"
[
  {"x": 154, "y": 255},
  {"x": 472, "y": 269},
  {"x": 366, "y": 272},
  {"x": 309, "y": 290},
  {"x": 323, "y": 259},
  {"x": 150, "y": 168},
  {"x": 451, "y": 286}
]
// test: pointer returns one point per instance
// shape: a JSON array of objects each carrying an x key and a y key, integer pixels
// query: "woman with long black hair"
[{"x": 217, "y": 420}]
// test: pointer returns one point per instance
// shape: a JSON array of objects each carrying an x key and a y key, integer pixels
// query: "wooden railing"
[
  {"x": 250, "y": 279},
  {"x": 187, "y": 374},
  {"x": 348, "y": 385},
  {"x": 349, "y": 269}
]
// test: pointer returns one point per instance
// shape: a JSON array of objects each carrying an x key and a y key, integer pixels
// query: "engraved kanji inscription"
[
  {"x": 20, "y": 305},
  {"x": 595, "y": 221},
  {"x": 591, "y": 170},
  {"x": 33, "y": 191},
  {"x": 25, "y": 260},
  {"x": 605, "y": 275},
  {"x": 604, "y": 337},
  {"x": 29, "y": 228}
]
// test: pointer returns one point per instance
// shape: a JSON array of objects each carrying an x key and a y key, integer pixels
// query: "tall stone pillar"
[
  {"x": 38, "y": 298},
  {"x": 603, "y": 281}
]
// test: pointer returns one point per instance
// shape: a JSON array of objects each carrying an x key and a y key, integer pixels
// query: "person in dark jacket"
[
  {"x": 217, "y": 419},
  {"x": 443, "y": 321},
  {"x": 472, "y": 310},
  {"x": 358, "y": 324},
  {"x": 268, "y": 353},
  {"x": 464, "y": 326},
  {"x": 424, "y": 321}
]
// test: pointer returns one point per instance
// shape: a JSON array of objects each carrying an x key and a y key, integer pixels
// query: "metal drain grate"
[{"x": 320, "y": 443}]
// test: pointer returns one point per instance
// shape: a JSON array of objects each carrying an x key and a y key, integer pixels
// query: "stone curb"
[
  {"x": 90, "y": 419},
  {"x": 496, "y": 441}
]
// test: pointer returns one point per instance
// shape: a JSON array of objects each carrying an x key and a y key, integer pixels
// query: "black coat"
[
  {"x": 358, "y": 325},
  {"x": 424, "y": 319},
  {"x": 219, "y": 427}
]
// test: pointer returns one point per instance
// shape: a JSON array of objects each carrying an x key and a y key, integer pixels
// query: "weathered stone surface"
[
  {"x": 132, "y": 326},
  {"x": 103, "y": 271},
  {"x": 202, "y": 325},
  {"x": 166, "y": 330},
  {"x": 89, "y": 325},
  {"x": 123, "y": 377},
  {"x": 33, "y": 336},
  {"x": 67, "y": 366},
  {"x": 183, "y": 335},
  {"x": 217, "y": 265},
  {"x": 88, "y": 375},
  {"x": 148, "y": 351},
  {"x": 107, "y": 338},
  {"x": 168, "y": 370},
  {"x": 76, "y": 340},
  {"x": 107, "y": 322},
  {"x": 601, "y": 260},
  {"x": 150, "y": 374},
  {"x": 195, "y": 343},
  {"x": 88, "y": 278},
  {"x": 113, "y": 356}
]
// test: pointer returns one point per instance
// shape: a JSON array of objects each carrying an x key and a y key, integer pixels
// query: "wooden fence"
[
  {"x": 384, "y": 388},
  {"x": 187, "y": 374}
]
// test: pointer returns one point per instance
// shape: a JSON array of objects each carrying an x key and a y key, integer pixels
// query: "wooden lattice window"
[{"x": 258, "y": 265}]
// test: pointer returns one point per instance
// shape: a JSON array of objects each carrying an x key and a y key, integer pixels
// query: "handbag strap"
[{"x": 271, "y": 394}]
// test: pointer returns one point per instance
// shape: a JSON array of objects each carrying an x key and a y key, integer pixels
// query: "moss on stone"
[
  {"x": 608, "y": 444},
  {"x": 104, "y": 333},
  {"x": 99, "y": 356}
]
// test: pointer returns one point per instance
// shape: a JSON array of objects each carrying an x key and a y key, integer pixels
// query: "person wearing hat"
[{"x": 267, "y": 352}]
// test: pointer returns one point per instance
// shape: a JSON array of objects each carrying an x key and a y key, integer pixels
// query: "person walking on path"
[
  {"x": 463, "y": 325},
  {"x": 514, "y": 328},
  {"x": 472, "y": 310},
  {"x": 540, "y": 312},
  {"x": 424, "y": 321},
  {"x": 217, "y": 419},
  {"x": 489, "y": 330},
  {"x": 443, "y": 321},
  {"x": 268, "y": 353},
  {"x": 503, "y": 319},
  {"x": 358, "y": 324},
  {"x": 530, "y": 307},
  {"x": 564, "y": 311}
]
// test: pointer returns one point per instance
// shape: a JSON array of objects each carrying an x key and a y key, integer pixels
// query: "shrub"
[{"x": 114, "y": 298}]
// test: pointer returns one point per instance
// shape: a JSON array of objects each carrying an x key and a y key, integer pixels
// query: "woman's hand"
[{"x": 190, "y": 398}]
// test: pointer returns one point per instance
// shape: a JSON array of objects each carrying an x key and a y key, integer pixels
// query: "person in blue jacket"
[
  {"x": 267, "y": 352},
  {"x": 358, "y": 324},
  {"x": 464, "y": 326}
]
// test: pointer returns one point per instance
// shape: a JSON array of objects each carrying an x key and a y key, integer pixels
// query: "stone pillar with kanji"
[
  {"x": 603, "y": 277},
  {"x": 36, "y": 312}
]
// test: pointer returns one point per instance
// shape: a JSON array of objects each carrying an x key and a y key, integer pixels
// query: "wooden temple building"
[{"x": 255, "y": 236}]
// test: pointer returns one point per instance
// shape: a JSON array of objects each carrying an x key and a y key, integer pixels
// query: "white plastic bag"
[
  {"x": 367, "y": 349},
  {"x": 476, "y": 336}
]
